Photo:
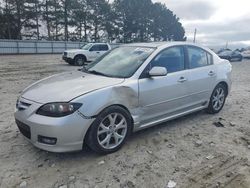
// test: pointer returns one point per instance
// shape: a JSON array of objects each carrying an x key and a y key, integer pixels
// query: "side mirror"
[{"x": 158, "y": 71}]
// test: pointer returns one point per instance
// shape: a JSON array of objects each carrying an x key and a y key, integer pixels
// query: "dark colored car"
[{"x": 230, "y": 55}]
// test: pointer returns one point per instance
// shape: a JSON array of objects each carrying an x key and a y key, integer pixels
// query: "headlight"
[
  {"x": 58, "y": 109},
  {"x": 70, "y": 54}
]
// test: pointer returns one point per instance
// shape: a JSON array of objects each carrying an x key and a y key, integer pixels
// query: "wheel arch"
[
  {"x": 125, "y": 108},
  {"x": 121, "y": 106},
  {"x": 225, "y": 84},
  {"x": 81, "y": 55}
]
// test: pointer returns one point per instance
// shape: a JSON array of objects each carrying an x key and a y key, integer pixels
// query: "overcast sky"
[{"x": 217, "y": 21}]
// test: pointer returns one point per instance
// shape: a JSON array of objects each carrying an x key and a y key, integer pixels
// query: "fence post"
[
  {"x": 36, "y": 47},
  {"x": 17, "y": 45},
  {"x": 52, "y": 47}
]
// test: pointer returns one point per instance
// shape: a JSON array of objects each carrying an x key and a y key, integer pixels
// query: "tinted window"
[
  {"x": 172, "y": 59},
  {"x": 86, "y": 47},
  {"x": 103, "y": 47},
  {"x": 197, "y": 57},
  {"x": 95, "y": 48}
]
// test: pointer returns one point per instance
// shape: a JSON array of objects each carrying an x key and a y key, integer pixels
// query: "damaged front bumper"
[{"x": 62, "y": 134}]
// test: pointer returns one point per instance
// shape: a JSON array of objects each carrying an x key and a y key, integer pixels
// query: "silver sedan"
[{"x": 130, "y": 88}]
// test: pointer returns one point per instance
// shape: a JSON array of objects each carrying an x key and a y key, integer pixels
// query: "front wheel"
[
  {"x": 110, "y": 130},
  {"x": 217, "y": 99},
  {"x": 79, "y": 60}
]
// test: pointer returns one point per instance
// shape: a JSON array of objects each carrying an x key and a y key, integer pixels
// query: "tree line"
[{"x": 89, "y": 20}]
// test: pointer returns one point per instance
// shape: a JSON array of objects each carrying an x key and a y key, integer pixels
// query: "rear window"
[{"x": 103, "y": 47}]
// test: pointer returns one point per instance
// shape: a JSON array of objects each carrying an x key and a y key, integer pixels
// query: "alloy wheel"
[
  {"x": 218, "y": 98},
  {"x": 80, "y": 61},
  {"x": 112, "y": 130}
]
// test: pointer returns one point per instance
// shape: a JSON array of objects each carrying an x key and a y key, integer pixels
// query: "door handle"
[
  {"x": 211, "y": 73},
  {"x": 182, "y": 79},
  {"x": 97, "y": 52}
]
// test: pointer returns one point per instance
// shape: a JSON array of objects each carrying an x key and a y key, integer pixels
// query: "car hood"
[
  {"x": 66, "y": 86},
  {"x": 75, "y": 51}
]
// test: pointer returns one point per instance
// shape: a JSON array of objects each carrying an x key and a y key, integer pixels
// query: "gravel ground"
[{"x": 190, "y": 151}]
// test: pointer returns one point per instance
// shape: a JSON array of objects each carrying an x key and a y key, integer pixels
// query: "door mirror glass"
[{"x": 158, "y": 71}]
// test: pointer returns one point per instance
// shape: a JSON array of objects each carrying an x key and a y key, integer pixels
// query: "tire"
[
  {"x": 103, "y": 135},
  {"x": 79, "y": 60},
  {"x": 217, "y": 99}
]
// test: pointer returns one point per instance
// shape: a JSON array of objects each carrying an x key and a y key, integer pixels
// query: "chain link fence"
[{"x": 36, "y": 47}]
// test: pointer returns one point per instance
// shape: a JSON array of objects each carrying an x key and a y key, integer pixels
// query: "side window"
[
  {"x": 95, "y": 48},
  {"x": 197, "y": 57},
  {"x": 171, "y": 58},
  {"x": 104, "y": 47}
]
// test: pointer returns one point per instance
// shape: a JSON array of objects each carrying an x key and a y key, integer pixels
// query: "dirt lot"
[{"x": 190, "y": 151}]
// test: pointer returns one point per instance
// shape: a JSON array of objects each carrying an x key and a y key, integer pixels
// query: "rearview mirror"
[{"x": 158, "y": 71}]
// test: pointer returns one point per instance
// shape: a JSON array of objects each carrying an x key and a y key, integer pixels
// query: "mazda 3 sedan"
[{"x": 129, "y": 88}]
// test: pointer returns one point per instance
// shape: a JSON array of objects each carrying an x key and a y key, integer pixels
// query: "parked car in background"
[
  {"x": 130, "y": 88},
  {"x": 230, "y": 55},
  {"x": 87, "y": 53},
  {"x": 246, "y": 53}
]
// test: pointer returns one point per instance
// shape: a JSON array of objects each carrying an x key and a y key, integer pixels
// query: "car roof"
[
  {"x": 160, "y": 44},
  {"x": 97, "y": 43},
  {"x": 163, "y": 45}
]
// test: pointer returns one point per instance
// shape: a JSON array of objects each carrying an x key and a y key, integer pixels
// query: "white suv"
[
  {"x": 87, "y": 53},
  {"x": 246, "y": 53}
]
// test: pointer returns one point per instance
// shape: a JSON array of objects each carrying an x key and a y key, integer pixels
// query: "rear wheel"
[
  {"x": 217, "y": 99},
  {"x": 79, "y": 60},
  {"x": 110, "y": 130}
]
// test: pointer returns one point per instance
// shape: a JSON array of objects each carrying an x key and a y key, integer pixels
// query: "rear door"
[
  {"x": 164, "y": 96},
  {"x": 201, "y": 76},
  {"x": 94, "y": 52}
]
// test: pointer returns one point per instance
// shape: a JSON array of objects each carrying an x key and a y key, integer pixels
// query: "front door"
[{"x": 164, "y": 96}]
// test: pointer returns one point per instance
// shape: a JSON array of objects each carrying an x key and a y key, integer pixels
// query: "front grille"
[{"x": 24, "y": 129}]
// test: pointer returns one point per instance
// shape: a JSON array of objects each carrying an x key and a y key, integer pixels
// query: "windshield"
[
  {"x": 86, "y": 47},
  {"x": 121, "y": 62}
]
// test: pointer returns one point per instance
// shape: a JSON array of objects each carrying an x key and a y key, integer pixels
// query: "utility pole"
[
  {"x": 227, "y": 45},
  {"x": 195, "y": 31}
]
